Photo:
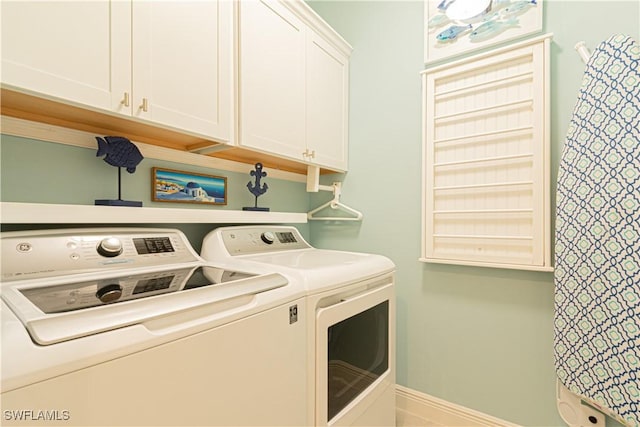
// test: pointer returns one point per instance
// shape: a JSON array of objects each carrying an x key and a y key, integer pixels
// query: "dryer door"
[{"x": 355, "y": 355}]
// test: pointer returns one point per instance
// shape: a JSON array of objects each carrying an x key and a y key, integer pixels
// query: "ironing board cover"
[{"x": 597, "y": 268}]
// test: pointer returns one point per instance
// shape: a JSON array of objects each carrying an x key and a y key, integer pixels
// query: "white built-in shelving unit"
[
  {"x": 486, "y": 159},
  {"x": 44, "y": 213}
]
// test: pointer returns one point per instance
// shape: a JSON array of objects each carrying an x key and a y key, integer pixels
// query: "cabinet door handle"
[
  {"x": 145, "y": 105},
  {"x": 312, "y": 154},
  {"x": 125, "y": 100},
  {"x": 305, "y": 153}
]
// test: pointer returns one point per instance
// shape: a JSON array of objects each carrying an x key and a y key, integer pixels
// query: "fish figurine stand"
[
  {"x": 256, "y": 189},
  {"x": 119, "y": 152}
]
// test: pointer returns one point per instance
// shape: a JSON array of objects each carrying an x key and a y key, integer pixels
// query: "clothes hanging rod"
[
  {"x": 584, "y": 53},
  {"x": 331, "y": 188},
  {"x": 336, "y": 188}
]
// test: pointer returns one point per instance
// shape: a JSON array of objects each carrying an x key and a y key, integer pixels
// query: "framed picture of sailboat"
[{"x": 456, "y": 27}]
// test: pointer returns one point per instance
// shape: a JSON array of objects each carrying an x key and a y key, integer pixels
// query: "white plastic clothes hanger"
[{"x": 334, "y": 204}]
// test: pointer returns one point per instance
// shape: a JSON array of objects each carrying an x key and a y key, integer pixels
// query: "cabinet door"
[
  {"x": 68, "y": 50},
  {"x": 271, "y": 77},
  {"x": 182, "y": 66},
  {"x": 327, "y": 79}
]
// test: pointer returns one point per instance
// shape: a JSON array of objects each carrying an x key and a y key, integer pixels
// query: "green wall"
[
  {"x": 44, "y": 172},
  {"x": 479, "y": 337}
]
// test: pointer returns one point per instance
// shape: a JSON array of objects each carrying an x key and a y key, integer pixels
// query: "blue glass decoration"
[
  {"x": 256, "y": 189},
  {"x": 121, "y": 153}
]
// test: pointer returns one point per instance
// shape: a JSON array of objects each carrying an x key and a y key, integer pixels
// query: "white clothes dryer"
[
  {"x": 350, "y": 315},
  {"x": 131, "y": 327}
]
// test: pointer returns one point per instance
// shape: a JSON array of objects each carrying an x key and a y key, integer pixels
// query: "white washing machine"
[
  {"x": 350, "y": 315},
  {"x": 131, "y": 327}
]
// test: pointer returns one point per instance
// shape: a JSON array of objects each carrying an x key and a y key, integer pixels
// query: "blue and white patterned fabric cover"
[{"x": 597, "y": 272}]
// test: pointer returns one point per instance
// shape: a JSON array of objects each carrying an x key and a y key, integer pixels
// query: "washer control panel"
[
  {"x": 46, "y": 253},
  {"x": 259, "y": 239}
]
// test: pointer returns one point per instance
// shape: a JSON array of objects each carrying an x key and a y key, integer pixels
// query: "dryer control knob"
[
  {"x": 110, "y": 247},
  {"x": 109, "y": 293},
  {"x": 268, "y": 237}
]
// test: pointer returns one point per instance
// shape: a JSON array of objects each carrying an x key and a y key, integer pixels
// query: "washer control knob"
[
  {"x": 268, "y": 237},
  {"x": 109, "y": 293},
  {"x": 110, "y": 247}
]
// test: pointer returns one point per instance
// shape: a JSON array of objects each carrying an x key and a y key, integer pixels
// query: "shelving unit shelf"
[
  {"x": 43, "y": 213},
  {"x": 486, "y": 159}
]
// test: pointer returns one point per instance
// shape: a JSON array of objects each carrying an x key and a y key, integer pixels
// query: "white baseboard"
[{"x": 441, "y": 412}]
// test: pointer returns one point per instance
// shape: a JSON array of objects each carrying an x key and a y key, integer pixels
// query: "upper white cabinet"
[
  {"x": 271, "y": 78},
  {"x": 169, "y": 63},
  {"x": 293, "y": 83},
  {"x": 327, "y": 90},
  {"x": 66, "y": 49},
  {"x": 182, "y": 65}
]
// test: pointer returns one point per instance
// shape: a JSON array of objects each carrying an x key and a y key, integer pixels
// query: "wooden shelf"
[{"x": 43, "y": 213}]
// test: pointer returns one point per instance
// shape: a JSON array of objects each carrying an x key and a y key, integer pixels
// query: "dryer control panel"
[
  {"x": 47, "y": 253},
  {"x": 262, "y": 239}
]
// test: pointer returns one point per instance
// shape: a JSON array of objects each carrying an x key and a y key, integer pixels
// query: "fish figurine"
[
  {"x": 452, "y": 32},
  {"x": 119, "y": 152},
  {"x": 518, "y": 7},
  {"x": 491, "y": 16},
  {"x": 438, "y": 21},
  {"x": 491, "y": 28},
  {"x": 444, "y": 4},
  {"x": 499, "y": 4}
]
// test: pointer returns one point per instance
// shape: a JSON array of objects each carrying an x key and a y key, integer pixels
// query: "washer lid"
[
  {"x": 323, "y": 269},
  {"x": 283, "y": 250},
  {"x": 41, "y": 307},
  {"x": 65, "y": 297},
  {"x": 313, "y": 259}
]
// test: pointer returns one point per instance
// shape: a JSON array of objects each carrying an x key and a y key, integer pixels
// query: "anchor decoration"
[{"x": 256, "y": 189}]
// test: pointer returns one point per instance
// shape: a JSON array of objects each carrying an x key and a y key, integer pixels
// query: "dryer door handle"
[
  {"x": 366, "y": 290},
  {"x": 353, "y": 304}
]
